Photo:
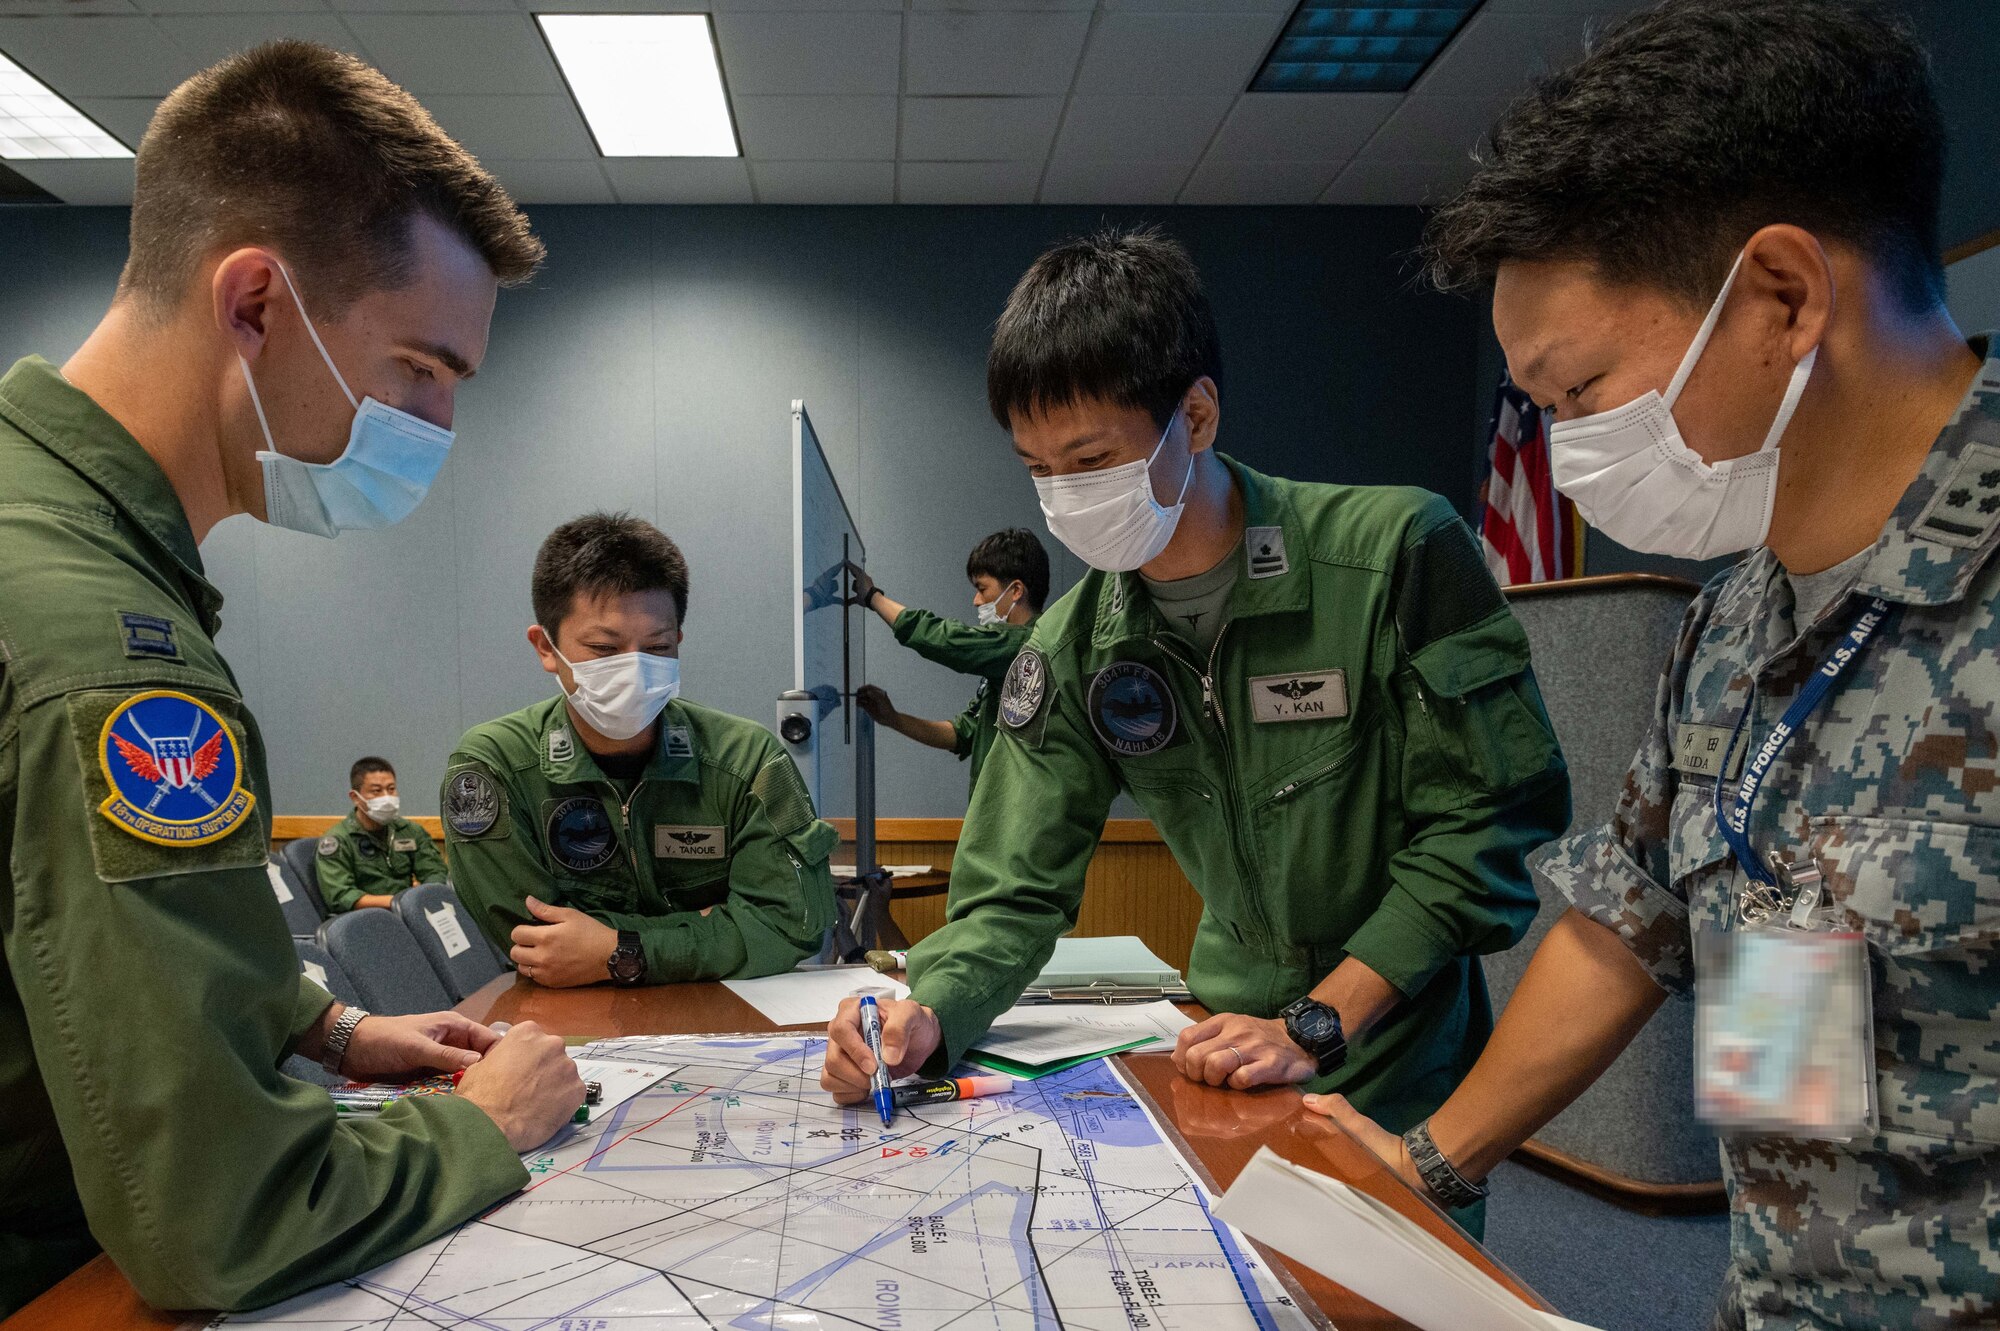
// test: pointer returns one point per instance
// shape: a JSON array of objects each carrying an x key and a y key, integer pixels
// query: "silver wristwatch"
[
  {"x": 1450, "y": 1187},
  {"x": 334, "y": 1051}
]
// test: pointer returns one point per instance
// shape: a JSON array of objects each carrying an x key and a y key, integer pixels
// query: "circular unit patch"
[
  {"x": 329, "y": 844},
  {"x": 1021, "y": 694},
  {"x": 1132, "y": 709},
  {"x": 580, "y": 835},
  {"x": 471, "y": 804},
  {"x": 175, "y": 774}
]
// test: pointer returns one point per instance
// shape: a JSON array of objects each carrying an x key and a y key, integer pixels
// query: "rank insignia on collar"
[{"x": 175, "y": 773}]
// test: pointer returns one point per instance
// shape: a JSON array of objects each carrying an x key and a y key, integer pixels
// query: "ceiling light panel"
[
  {"x": 1334, "y": 47},
  {"x": 648, "y": 85},
  {"x": 37, "y": 125}
]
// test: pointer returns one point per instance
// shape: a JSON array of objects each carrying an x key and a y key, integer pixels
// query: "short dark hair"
[
  {"x": 316, "y": 154},
  {"x": 1688, "y": 128},
  {"x": 1119, "y": 315},
  {"x": 364, "y": 767},
  {"x": 1010, "y": 555},
  {"x": 604, "y": 553}
]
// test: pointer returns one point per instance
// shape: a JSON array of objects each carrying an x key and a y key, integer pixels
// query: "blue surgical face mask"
[{"x": 388, "y": 466}]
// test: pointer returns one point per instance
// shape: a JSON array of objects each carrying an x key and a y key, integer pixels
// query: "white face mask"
[
  {"x": 388, "y": 466},
  {"x": 1109, "y": 519},
  {"x": 381, "y": 809},
  {"x": 990, "y": 613},
  {"x": 618, "y": 696},
  {"x": 1635, "y": 479}
]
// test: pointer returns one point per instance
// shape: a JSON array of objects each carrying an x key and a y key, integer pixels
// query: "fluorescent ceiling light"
[
  {"x": 1332, "y": 46},
  {"x": 649, "y": 85},
  {"x": 37, "y": 125}
]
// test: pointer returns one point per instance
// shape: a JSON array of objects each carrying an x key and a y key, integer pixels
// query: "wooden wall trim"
[
  {"x": 888, "y": 831},
  {"x": 1977, "y": 245}
]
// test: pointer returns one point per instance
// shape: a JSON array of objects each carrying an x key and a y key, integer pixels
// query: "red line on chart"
[{"x": 614, "y": 1146}]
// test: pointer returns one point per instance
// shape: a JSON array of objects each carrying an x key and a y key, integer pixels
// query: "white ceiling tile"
[
  {"x": 1200, "y": 6},
  {"x": 613, "y": 6},
  {"x": 1233, "y": 180},
  {"x": 1086, "y": 180},
  {"x": 91, "y": 182},
  {"x": 1302, "y": 126},
  {"x": 514, "y": 129},
  {"x": 210, "y": 38},
  {"x": 679, "y": 179},
  {"x": 990, "y": 6},
  {"x": 421, "y": 6},
  {"x": 553, "y": 182},
  {"x": 1147, "y": 55},
  {"x": 789, "y": 6},
  {"x": 979, "y": 129},
  {"x": 126, "y": 117},
  {"x": 1157, "y": 129},
  {"x": 26, "y": 7},
  {"x": 1006, "y": 54},
  {"x": 1500, "y": 52},
  {"x": 825, "y": 182},
  {"x": 826, "y": 129},
  {"x": 1380, "y": 181},
  {"x": 967, "y": 182},
  {"x": 471, "y": 54},
  {"x": 783, "y": 54},
  {"x": 1435, "y": 127},
  {"x": 97, "y": 56}
]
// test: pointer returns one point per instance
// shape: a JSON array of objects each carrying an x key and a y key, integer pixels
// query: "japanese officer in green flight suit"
[
  {"x": 617, "y": 832},
  {"x": 1315, "y": 691},
  {"x": 373, "y": 853},
  {"x": 312, "y": 275}
]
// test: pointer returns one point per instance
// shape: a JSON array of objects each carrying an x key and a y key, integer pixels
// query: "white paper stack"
[
  {"x": 1381, "y": 1254},
  {"x": 1026, "y": 1039},
  {"x": 811, "y": 997}
]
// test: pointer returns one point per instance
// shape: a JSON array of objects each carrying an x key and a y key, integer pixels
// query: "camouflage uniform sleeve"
[
  {"x": 970, "y": 649},
  {"x": 780, "y": 891},
  {"x": 430, "y": 864},
  {"x": 210, "y": 1178},
  {"x": 1617, "y": 873},
  {"x": 1483, "y": 780},
  {"x": 334, "y": 864}
]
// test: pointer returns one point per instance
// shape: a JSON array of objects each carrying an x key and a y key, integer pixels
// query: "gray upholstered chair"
[
  {"x": 383, "y": 963},
  {"x": 1600, "y": 645},
  {"x": 451, "y": 942},
  {"x": 316, "y": 965},
  {"x": 300, "y": 916},
  {"x": 302, "y": 858}
]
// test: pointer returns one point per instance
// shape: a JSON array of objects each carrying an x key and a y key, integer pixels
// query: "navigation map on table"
[{"x": 734, "y": 1194}]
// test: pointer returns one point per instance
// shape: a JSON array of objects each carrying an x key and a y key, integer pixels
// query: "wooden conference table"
[{"x": 1219, "y": 1130}]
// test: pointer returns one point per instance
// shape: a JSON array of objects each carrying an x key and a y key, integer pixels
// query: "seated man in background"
[
  {"x": 374, "y": 852},
  {"x": 1316, "y": 692},
  {"x": 1009, "y": 572},
  {"x": 615, "y": 832}
]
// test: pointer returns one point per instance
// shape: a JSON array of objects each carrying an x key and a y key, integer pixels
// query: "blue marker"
[{"x": 878, "y": 1082}]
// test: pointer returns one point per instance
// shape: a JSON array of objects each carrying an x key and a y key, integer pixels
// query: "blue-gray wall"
[{"x": 650, "y": 367}]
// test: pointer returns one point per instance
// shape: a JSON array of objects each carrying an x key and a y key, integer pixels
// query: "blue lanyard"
[{"x": 1733, "y": 818}]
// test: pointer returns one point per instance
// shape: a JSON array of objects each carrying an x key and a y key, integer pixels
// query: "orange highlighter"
[{"x": 945, "y": 1089}]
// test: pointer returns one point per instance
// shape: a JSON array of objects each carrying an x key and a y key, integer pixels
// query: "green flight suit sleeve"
[
  {"x": 965, "y": 728},
  {"x": 312, "y": 1005},
  {"x": 780, "y": 891},
  {"x": 160, "y": 994},
  {"x": 430, "y": 864},
  {"x": 495, "y": 872},
  {"x": 338, "y": 872},
  {"x": 1017, "y": 877},
  {"x": 970, "y": 649},
  {"x": 1483, "y": 780}
]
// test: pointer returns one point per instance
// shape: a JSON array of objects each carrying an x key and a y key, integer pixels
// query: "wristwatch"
[
  {"x": 628, "y": 959},
  {"x": 1451, "y": 1188},
  {"x": 1315, "y": 1028},
  {"x": 334, "y": 1051}
]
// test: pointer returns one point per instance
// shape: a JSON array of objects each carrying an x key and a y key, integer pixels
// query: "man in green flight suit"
[
  {"x": 1315, "y": 691},
  {"x": 616, "y": 832},
  {"x": 373, "y": 853},
  {"x": 1009, "y": 572},
  {"x": 149, "y": 991}
]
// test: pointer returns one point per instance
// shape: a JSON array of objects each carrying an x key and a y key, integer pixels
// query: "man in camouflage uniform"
[{"x": 1813, "y": 165}]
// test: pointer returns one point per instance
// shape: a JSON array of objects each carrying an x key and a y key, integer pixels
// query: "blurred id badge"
[{"x": 1784, "y": 1033}]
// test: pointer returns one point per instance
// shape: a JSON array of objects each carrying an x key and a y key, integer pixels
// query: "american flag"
[{"x": 1530, "y": 532}]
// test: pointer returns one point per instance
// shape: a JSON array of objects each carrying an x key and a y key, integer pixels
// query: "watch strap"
[
  {"x": 1451, "y": 1188},
  {"x": 1328, "y": 1055},
  {"x": 633, "y": 948},
  {"x": 334, "y": 1052}
]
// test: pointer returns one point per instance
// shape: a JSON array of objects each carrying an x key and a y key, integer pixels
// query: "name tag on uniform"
[
  {"x": 1319, "y": 695},
  {"x": 1698, "y": 751},
  {"x": 690, "y": 843},
  {"x": 403, "y": 843}
]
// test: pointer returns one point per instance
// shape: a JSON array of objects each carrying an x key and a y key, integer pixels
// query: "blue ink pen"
[{"x": 878, "y": 1082}]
